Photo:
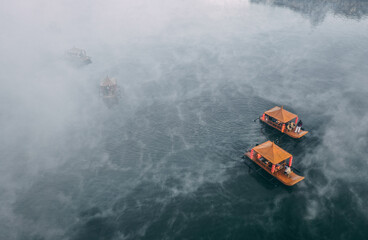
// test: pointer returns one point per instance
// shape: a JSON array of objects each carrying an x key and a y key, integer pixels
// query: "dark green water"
[{"x": 165, "y": 163}]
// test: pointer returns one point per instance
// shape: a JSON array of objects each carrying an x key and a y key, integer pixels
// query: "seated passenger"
[{"x": 287, "y": 170}]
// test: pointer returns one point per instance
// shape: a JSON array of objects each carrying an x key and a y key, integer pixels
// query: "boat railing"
[
  {"x": 275, "y": 125},
  {"x": 279, "y": 126},
  {"x": 278, "y": 167},
  {"x": 263, "y": 162}
]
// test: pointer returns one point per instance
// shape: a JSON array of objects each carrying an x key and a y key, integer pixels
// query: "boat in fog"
[
  {"x": 110, "y": 91},
  {"x": 78, "y": 56},
  {"x": 284, "y": 121},
  {"x": 275, "y": 161}
]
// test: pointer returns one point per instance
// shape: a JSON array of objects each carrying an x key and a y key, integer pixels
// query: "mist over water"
[{"x": 165, "y": 162}]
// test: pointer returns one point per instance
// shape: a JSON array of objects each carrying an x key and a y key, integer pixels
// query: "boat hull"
[
  {"x": 290, "y": 180},
  {"x": 110, "y": 101}
]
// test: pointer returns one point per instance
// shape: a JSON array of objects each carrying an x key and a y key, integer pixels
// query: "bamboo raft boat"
[
  {"x": 109, "y": 88},
  {"x": 78, "y": 56},
  {"x": 282, "y": 120},
  {"x": 110, "y": 91},
  {"x": 273, "y": 160}
]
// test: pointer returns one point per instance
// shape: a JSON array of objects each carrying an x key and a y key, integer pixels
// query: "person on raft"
[
  {"x": 287, "y": 170},
  {"x": 299, "y": 126}
]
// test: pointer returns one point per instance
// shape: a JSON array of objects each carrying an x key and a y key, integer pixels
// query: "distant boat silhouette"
[{"x": 78, "y": 56}]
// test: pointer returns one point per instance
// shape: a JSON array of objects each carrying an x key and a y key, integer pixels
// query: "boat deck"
[
  {"x": 291, "y": 133},
  {"x": 280, "y": 175}
]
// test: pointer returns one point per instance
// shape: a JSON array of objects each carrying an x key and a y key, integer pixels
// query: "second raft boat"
[{"x": 282, "y": 120}]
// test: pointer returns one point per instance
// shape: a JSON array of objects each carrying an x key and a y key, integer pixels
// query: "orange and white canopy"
[
  {"x": 279, "y": 113},
  {"x": 272, "y": 152}
]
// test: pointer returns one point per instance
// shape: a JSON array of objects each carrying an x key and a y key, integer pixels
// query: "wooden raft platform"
[{"x": 290, "y": 180}]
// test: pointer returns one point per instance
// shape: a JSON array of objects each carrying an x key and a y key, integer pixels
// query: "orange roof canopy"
[
  {"x": 281, "y": 114},
  {"x": 108, "y": 82},
  {"x": 272, "y": 152}
]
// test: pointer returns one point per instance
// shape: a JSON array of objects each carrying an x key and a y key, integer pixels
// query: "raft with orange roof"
[
  {"x": 276, "y": 161},
  {"x": 282, "y": 120}
]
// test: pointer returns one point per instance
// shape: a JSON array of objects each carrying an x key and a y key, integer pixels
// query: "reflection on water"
[{"x": 317, "y": 10}]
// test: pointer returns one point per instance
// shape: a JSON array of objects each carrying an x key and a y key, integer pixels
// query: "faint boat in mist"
[
  {"x": 110, "y": 91},
  {"x": 78, "y": 56}
]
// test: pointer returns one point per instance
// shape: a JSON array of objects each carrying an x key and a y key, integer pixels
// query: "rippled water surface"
[{"x": 165, "y": 162}]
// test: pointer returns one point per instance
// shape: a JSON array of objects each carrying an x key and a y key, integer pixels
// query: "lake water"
[{"x": 165, "y": 162}]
